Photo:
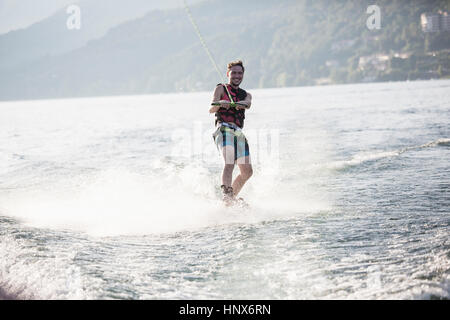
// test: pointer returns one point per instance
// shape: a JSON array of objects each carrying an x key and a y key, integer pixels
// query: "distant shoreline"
[{"x": 201, "y": 91}]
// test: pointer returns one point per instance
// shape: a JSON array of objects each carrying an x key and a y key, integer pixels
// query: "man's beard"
[{"x": 236, "y": 82}]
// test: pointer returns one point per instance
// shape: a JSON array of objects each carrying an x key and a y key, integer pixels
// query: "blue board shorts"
[{"x": 227, "y": 136}]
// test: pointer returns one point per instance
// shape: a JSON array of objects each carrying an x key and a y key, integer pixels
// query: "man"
[{"x": 229, "y": 104}]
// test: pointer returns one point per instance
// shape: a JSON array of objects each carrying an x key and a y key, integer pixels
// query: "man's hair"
[{"x": 235, "y": 63}]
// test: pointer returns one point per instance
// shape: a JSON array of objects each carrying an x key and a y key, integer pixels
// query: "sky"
[{"x": 19, "y": 14}]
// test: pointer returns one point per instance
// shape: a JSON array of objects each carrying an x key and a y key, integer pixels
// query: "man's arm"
[
  {"x": 218, "y": 93},
  {"x": 247, "y": 102}
]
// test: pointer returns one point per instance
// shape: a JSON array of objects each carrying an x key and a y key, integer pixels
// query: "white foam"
[
  {"x": 119, "y": 202},
  {"x": 361, "y": 158},
  {"x": 373, "y": 156},
  {"x": 23, "y": 276}
]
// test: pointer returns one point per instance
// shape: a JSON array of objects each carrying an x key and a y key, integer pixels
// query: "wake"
[{"x": 365, "y": 158}]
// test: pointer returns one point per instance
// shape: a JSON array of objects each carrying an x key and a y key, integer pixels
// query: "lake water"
[{"x": 117, "y": 197}]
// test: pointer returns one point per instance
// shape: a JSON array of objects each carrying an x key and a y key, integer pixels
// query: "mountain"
[{"x": 282, "y": 43}]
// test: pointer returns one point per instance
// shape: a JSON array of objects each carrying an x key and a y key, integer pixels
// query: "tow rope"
[{"x": 208, "y": 52}]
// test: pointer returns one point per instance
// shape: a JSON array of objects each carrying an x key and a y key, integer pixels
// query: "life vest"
[{"x": 232, "y": 114}]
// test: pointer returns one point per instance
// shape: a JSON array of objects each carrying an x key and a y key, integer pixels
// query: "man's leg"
[
  {"x": 244, "y": 163},
  {"x": 225, "y": 142},
  {"x": 227, "y": 174},
  {"x": 246, "y": 171},
  {"x": 228, "y": 157}
]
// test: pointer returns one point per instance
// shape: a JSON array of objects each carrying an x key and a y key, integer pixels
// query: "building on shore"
[
  {"x": 445, "y": 21},
  {"x": 377, "y": 62},
  {"x": 435, "y": 22}
]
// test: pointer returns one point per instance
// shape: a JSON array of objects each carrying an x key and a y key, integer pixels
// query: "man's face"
[{"x": 235, "y": 75}]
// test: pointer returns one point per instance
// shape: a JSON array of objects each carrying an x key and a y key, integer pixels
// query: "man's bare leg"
[
  {"x": 227, "y": 174},
  {"x": 228, "y": 157},
  {"x": 246, "y": 171}
]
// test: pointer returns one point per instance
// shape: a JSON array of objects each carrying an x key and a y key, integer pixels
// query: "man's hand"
[{"x": 241, "y": 105}]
